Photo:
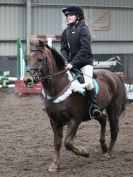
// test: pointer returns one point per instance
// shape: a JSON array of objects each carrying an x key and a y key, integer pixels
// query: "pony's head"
[{"x": 42, "y": 63}]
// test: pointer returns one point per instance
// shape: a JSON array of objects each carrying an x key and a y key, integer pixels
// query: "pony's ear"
[
  {"x": 36, "y": 44},
  {"x": 60, "y": 61}
]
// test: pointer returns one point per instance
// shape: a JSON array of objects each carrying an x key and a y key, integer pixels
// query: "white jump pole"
[
  {"x": 8, "y": 78},
  {"x": 5, "y": 80},
  {"x": 7, "y": 86},
  {"x": 22, "y": 65},
  {"x": 49, "y": 39}
]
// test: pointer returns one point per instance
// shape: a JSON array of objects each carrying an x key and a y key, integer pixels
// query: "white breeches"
[{"x": 88, "y": 76}]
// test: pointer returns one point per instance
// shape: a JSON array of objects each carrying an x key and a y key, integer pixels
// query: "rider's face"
[{"x": 71, "y": 18}]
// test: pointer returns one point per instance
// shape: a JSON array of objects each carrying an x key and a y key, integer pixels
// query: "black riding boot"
[{"x": 94, "y": 109}]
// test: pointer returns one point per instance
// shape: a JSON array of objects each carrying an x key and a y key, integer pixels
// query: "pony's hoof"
[
  {"x": 105, "y": 156},
  {"x": 53, "y": 167},
  {"x": 84, "y": 152}
]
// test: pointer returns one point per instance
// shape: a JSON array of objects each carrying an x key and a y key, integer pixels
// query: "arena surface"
[{"x": 26, "y": 143}]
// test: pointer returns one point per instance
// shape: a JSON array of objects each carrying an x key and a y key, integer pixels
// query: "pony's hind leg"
[
  {"x": 58, "y": 135},
  {"x": 113, "y": 115},
  {"x": 102, "y": 120},
  {"x": 114, "y": 130},
  {"x": 69, "y": 140}
]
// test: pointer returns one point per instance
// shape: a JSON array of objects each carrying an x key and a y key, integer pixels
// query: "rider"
[{"x": 76, "y": 49}]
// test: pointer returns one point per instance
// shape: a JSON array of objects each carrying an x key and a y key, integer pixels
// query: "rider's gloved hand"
[{"x": 69, "y": 66}]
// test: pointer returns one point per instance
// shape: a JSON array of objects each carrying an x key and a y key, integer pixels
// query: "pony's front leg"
[
  {"x": 58, "y": 134},
  {"x": 69, "y": 140}
]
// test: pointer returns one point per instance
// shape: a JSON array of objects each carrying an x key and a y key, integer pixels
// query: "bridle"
[{"x": 37, "y": 74}]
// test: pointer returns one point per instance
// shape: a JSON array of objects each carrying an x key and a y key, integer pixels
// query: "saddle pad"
[{"x": 96, "y": 86}]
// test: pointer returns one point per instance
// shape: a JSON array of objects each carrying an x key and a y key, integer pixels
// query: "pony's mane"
[{"x": 59, "y": 60}]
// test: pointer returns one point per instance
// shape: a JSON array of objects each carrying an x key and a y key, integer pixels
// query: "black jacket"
[{"x": 76, "y": 45}]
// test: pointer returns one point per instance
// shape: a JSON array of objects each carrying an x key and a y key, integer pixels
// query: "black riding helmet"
[{"x": 74, "y": 10}]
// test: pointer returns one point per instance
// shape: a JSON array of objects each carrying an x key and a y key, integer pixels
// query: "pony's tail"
[{"x": 123, "y": 94}]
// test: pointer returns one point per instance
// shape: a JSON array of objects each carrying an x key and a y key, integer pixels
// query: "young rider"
[{"x": 76, "y": 49}]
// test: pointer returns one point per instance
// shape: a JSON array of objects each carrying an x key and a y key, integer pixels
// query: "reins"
[
  {"x": 81, "y": 72},
  {"x": 54, "y": 74}
]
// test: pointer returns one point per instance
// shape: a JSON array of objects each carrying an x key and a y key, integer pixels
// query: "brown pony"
[{"x": 66, "y": 106}]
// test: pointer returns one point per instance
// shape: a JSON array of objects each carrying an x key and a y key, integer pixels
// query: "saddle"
[{"x": 78, "y": 75}]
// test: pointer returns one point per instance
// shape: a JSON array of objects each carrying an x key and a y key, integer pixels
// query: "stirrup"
[
  {"x": 94, "y": 113},
  {"x": 97, "y": 113}
]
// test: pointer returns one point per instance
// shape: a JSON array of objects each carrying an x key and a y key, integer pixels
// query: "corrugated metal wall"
[
  {"x": 121, "y": 25},
  {"x": 13, "y": 25},
  {"x": 111, "y": 3},
  {"x": 118, "y": 39},
  {"x": 13, "y": 22},
  {"x": 46, "y": 18}
]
